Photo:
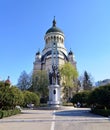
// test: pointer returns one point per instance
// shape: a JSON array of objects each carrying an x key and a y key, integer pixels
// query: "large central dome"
[{"x": 54, "y": 28}]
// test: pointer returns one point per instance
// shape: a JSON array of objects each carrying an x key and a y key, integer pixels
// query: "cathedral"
[{"x": 43, "y": 60}]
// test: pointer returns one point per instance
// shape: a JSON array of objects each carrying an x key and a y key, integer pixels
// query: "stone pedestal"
[{"x": 54, "y": 96}]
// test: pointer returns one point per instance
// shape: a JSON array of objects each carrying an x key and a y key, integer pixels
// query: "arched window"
[
  {"x": 46, "y": 41},
  {"x": 57, "y": 39},
  {"x": 54, "y": 91},
  {"x": 54, "y": 38},
  {"x": 51, "y": 38},
  {"x": 60, "y": 39}
]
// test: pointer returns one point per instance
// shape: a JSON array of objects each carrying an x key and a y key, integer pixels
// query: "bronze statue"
[{"x": 54, "y": 76}]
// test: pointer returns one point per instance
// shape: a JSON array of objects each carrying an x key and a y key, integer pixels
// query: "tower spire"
[{"x": 54, "y": 22}]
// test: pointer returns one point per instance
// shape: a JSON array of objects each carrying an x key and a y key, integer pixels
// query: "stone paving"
[{"x": 67, "y": 119}]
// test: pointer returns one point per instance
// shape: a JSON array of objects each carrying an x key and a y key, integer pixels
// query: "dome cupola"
[
  {"x": 54, "y": 36},
  {"x": 38, "y": 56},
  {"x": 54, "y": 28},
  {"x": 38, "y": 53},
  {"x": 70, "y": 53},
  {"x": 8, "y": 82}
]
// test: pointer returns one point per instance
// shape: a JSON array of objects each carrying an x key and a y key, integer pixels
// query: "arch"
[
  {"x": 49, "y": 39},
  {"x": 54, "y": 38},
  {"x": 57, "y": 39},
  {"x": 54, "y": 91},
  {"x": 46, "y": 40},
  {"x": 62, "y": 40}
]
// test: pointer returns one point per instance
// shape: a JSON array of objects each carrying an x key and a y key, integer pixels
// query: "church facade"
[{"x": 43, "y": 60}]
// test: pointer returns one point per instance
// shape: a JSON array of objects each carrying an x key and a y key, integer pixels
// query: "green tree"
[
  {"x": 2, "y": 84},
  {"x": 87, "y": 81},
  {"x": 69, "y": 76},
  {"x": 40, "y": 83}
]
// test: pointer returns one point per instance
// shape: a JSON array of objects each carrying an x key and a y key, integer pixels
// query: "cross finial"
[
  {"x": 54, "y": 22},
  {"x": 8, "y": 77}
]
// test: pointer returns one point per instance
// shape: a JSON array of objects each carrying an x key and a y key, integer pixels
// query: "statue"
[
  {"x": 58, "y": 78},
  {"x": 54, "y": 76},
  {"x": 50, "y": 78},
  {"x": 54, "y": 79}
]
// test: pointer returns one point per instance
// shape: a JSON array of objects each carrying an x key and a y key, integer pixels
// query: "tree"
[
  {"x": 2, "y": 84},
  {"x": 40, "y": 83},
  {"x": 24, "y": 81},
  {"x": 87, "y": 81},
  {"x": 69, "y": 76}
]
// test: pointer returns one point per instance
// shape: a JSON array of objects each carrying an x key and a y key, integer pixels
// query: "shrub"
[
  {"x": 100, "y": 97},
  {"x": 6, "y": 113},
  {"x": 1, "y": 114},
  {"x": 30, "y": 98},
  {"x": 43, "y": 100},
  {"x": 2, "y": 84},
  {"x": 81, "y": 97},
  {"x": 101, "y": 112},
  {"x": 10, "y": 97}
]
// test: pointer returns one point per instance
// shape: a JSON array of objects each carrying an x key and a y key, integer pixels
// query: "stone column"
[{"x": 54, "y": 87}]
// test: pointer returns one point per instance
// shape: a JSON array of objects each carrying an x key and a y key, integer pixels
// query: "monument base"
[
  {"x": 54, "y": 96},
  {"x": 54, "y": 104}
]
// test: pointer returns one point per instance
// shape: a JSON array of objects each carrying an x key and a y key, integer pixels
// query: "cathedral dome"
[{"x": 54, "y": 28}]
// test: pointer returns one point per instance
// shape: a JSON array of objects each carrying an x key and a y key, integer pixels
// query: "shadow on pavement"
[{"x": 81, "y": 113}]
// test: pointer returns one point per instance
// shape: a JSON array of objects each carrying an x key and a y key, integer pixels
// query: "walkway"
[{"x": 68, "y": 119}]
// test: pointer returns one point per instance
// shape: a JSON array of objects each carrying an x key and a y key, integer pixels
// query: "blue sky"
[{"x": 85, "y": 23}]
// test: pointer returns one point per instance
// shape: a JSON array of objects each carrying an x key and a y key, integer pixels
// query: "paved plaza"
[{"x": 67, "y": 119}]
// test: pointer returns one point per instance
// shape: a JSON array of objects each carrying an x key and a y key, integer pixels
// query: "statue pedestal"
[{"x": 54, "y": 96}]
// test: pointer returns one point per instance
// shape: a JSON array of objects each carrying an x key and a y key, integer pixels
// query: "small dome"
[
  {"x": 38, "y": 53},
  {"x": 8, "y": 80},
  {"x": 54, "y": 28},
  {"x": 70, "y": 53}
]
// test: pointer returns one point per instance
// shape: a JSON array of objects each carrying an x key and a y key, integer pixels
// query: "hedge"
[
  {"x": 102, "y": 112},
  {"x": 7, "y": 113}
]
